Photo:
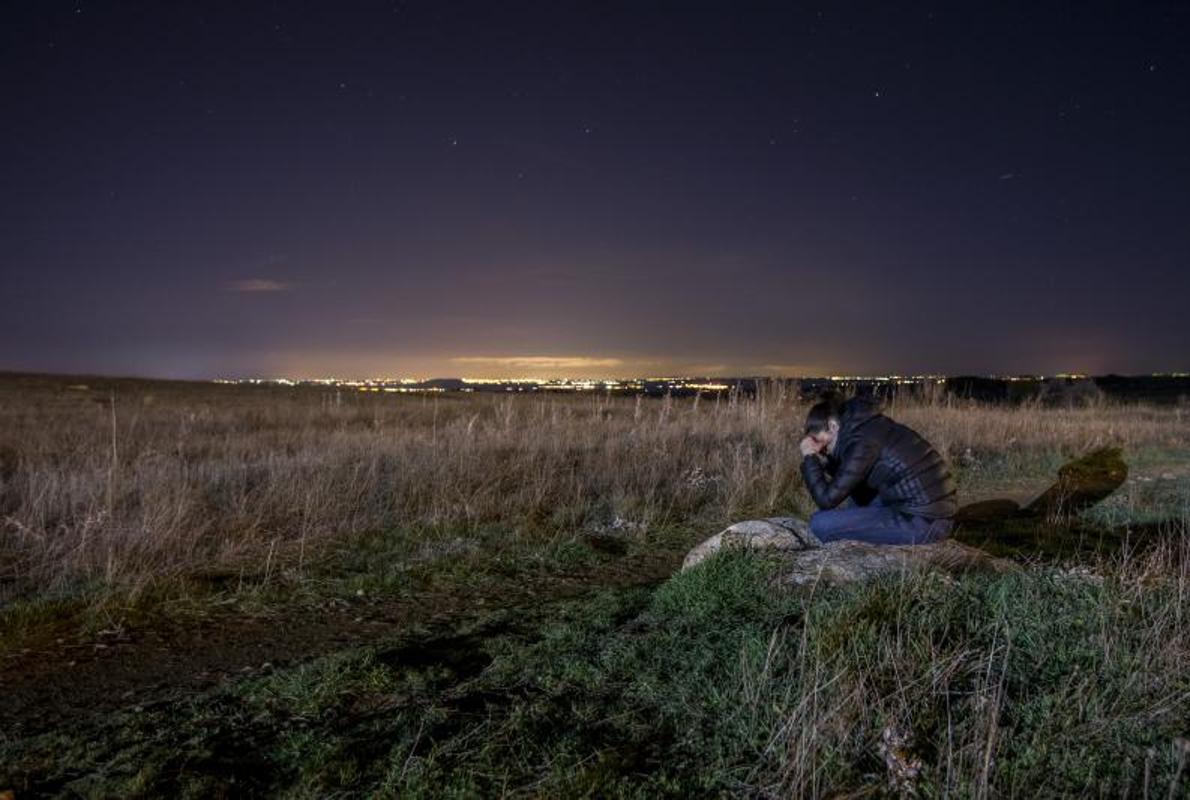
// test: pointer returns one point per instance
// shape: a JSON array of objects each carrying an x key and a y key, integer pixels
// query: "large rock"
[
  {"x": 1082, "y": 483},
  {"x": 808, "y": 561},
  {"x": 847, "y": 561},
  {"x": 774, "y": 533}
]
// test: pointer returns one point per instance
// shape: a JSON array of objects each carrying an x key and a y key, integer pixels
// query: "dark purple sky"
[{"x": 490, "y": 189}]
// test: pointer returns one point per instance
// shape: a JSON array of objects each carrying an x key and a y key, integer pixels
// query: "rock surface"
[
  {"x": 846, "y": 561},
  {"x": 808, "y": 561},
  {"x": 774, "y": 533},
  {"x": 1082, "y": 483}
]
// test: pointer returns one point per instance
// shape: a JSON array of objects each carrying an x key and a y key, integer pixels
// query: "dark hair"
[{"x": 829, "y": 406}]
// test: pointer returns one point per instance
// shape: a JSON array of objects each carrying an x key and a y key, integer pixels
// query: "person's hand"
[{"x": 809, "y": 447}]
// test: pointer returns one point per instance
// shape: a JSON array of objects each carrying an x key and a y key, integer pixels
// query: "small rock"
[
  {"x": 903, "y": 766},
  {"x": 968, "y": 458}
]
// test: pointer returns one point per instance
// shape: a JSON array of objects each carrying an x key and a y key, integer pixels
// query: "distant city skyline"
[
  {"x": 592, "y": 380},
  {"x": 625, "y": 370},
  {"x": 619, "y": 188}
]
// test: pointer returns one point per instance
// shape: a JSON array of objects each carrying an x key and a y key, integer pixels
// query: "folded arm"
[{"x": 855, "y": 466}]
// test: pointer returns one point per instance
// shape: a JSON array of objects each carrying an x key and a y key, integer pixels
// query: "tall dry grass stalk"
[
  {"x": 960, "y": 687},
  {"x": 154, "y": 479}
]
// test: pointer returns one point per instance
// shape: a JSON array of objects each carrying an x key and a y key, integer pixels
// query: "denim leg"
[
  {"x": 896, "y": 529},
  {"x": 834, "y": 523},
  {"x": 876, "y": 524}
]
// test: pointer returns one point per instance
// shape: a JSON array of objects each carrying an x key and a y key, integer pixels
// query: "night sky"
[{"x": 601, "y": 189}]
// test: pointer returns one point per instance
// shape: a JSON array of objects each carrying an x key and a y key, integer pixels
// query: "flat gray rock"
[
  {"x": 808, "y": 561},
  {"x": 846, "y": 561},
  {"x": 774, "y": 533}
]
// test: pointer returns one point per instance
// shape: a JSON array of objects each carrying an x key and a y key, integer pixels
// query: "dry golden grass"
[
  {"x": 124, "y": 481},
  {"x": 1064, "y": 680}
]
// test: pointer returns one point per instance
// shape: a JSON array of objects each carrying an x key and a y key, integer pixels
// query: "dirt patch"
[{"x": 55, "y": 684}]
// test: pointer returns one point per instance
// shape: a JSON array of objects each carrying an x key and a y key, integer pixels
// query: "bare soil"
[{"x": 57, "y": 681}]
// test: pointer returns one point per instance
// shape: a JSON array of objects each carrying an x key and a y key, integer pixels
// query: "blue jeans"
[{"x": 878, "y": 524}]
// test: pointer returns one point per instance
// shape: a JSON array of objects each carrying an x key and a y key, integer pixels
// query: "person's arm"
[{"x": 855, "y": 466}]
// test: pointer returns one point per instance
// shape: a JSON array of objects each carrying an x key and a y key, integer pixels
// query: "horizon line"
[{"x": 596, "y": 379}]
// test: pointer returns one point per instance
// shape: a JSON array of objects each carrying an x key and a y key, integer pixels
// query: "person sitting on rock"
[{"x": 899, "y": 487}]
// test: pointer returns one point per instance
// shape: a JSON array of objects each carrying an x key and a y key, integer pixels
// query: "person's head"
[{"x": 822, "y": 423}]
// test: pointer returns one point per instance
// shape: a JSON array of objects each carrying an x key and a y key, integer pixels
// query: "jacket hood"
[{"x": 857, "y": 411}]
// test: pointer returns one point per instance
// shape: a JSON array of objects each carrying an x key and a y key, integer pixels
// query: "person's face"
[{"x": 826, "y": 438}]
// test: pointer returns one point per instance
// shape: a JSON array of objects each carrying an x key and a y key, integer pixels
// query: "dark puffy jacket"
[{"x": 876, "y": 456}]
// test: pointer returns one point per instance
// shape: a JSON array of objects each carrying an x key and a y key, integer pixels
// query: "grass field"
[{"x": 214, "y": 591}]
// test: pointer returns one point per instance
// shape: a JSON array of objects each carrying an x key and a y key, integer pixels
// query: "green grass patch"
[
  {"x": 714, "y": 683},
  {"x": 380, "y": 566}
]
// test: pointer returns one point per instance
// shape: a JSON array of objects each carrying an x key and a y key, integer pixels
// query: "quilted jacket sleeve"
[{"x": 853, "y": 468}]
